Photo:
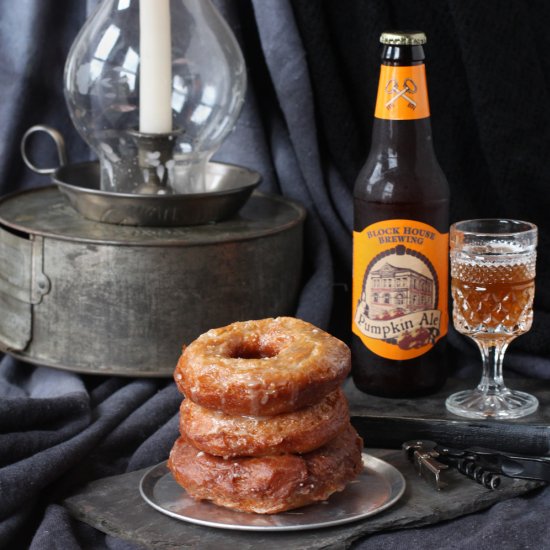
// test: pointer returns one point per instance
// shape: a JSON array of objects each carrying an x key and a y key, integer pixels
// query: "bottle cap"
[{"x": 403, "y": 38}]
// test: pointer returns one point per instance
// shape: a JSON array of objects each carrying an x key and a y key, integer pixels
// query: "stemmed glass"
[{"x": 493, "y": 286}]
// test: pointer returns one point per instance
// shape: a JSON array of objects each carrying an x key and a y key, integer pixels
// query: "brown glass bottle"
[{"x": 401, "y": 209}]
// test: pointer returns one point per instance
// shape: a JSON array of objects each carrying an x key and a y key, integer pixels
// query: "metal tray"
[{"x": 378, "y": 487}]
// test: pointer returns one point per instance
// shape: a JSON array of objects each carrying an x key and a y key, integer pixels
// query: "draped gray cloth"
[{"x": 306, "y": 128}]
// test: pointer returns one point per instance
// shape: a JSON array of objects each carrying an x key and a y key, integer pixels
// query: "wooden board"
[{"x": 387, "y": 423}]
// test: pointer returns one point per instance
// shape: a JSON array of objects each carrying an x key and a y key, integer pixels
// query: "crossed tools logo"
[{"x": 392, "y": 88}]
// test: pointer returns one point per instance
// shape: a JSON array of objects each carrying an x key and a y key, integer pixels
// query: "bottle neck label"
[
  {"x": 400, "y": 270},
  {"x": 402, "y": 93}
]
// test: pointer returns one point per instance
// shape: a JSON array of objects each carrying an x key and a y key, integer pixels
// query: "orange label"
[
  {"x": 400, "y": 270},
  {"x": 402, "y": 93}
]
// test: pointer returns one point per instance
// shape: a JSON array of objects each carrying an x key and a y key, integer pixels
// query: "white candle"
[{"x": 155, "y": 104}]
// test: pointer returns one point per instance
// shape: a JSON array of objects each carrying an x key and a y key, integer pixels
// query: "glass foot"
[{"x": 504, "y": 404}]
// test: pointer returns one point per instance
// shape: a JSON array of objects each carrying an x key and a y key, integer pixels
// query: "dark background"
[{"x": 313, "y": 73}]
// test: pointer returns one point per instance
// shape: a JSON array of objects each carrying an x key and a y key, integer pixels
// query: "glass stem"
[{"x": 492, "y": 354}]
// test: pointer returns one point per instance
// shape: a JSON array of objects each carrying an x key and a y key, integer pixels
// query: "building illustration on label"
[
  {"x": 398, "y": 302},
  {"x": 396, "y": 290}
]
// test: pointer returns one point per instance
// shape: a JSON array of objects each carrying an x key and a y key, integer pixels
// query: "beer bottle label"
[
  {"x": 400, "y": 287},
  {"x": 402, "y": 93}
]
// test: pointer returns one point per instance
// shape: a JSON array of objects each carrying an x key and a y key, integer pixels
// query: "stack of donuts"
[{"x": 265, "y": 426}]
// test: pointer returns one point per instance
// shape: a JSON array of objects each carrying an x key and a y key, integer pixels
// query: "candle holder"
[
  {"x": 154, "y": 87},
  {"x": 229, "y": 187},
  {"x": 156, "y": 161}
]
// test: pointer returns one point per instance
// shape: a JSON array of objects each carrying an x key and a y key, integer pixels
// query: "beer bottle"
[{"x": 400, "y": 239}]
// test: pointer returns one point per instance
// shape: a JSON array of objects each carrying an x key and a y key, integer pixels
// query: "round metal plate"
[
  {"x": 44, "y": 211},
  {"x": 378, "y": 487}
]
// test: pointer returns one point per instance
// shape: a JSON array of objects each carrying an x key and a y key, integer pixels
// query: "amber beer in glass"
[
  {"x": 493, "y": 286},
  {"x": 400, "y": 250}
]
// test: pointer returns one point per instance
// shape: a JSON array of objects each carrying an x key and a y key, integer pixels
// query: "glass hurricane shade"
[{"x": 148, "y": 72}]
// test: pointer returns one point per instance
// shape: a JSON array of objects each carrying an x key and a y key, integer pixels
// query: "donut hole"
[{"x": 254, "y": 350}]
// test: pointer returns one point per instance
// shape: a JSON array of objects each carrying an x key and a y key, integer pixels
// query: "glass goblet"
[{"x": 493, "y": 286}]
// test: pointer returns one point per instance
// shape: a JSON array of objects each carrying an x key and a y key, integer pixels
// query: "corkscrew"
[{"x": 485, "y": 466}]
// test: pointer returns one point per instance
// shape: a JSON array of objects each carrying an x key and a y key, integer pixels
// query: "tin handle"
[{"x": 59, "y": 143}]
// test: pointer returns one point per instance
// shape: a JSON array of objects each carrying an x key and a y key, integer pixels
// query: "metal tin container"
[{"x": 99, "y": 298}]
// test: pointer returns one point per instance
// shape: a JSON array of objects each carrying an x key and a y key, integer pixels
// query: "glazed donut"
[
  {"x": 262, "y": 368},
  {"x": 269, "y": 484},
  {"x": 302, "y": 431}
]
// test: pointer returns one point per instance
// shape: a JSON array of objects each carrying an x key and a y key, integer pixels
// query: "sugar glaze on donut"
[
  {"x": 269, "y": 484},
  {"x": 301, "y": 431},
  {"x": 262, "y": 368}
]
